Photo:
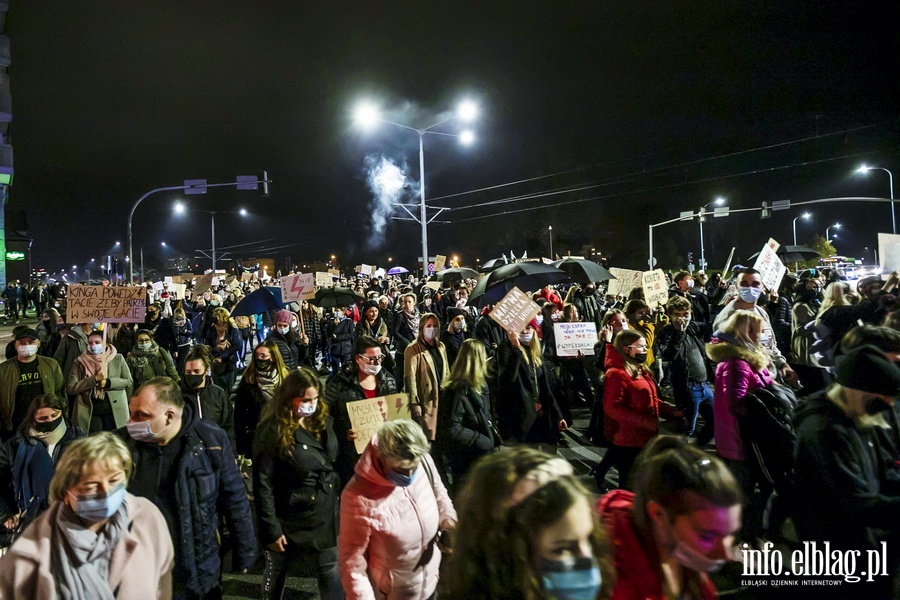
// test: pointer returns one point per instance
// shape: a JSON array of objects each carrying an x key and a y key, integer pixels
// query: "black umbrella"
[
  {"x": 527, "y": 276},
  {"x": 493, "y": 264},
  {"x": 456, "y": 274},
  {"x": 256, "y": 302},
  {"x": 334, "y": 297},
  {"x": 794, "y": 254},
  {"x": 583, "y": 271}
]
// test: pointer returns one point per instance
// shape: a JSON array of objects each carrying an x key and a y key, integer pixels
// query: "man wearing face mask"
[
  {"x": 750, "y": 288},
  {"x": 684, "y": 287},
  {"x": 71, "y": 346},
  {"x": 185, "y": 466},
  {"x": 24, "y": 378},
  {"x": 845, "y": 486}
]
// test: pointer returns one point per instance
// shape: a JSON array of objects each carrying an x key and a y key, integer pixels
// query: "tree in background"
[{"x": 824, "y": 247}]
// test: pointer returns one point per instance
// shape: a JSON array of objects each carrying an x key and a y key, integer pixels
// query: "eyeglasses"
[
  {"x": 372, "y": 360},
  {"x": 644, "y": 348}
]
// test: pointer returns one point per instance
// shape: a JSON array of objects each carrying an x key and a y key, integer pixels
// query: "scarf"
[
  {"x": 267, "y": 382},
  {"x": 412, "y": 321},
  {"x": 97, "y": 363},
  {"x": 79, "y": 558}
]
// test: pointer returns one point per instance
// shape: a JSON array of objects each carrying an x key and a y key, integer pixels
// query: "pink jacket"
[
  {"x": 385, "y": 531},
  {"x": 738, "y": 371},
  {"x": 141, "y": 564}
]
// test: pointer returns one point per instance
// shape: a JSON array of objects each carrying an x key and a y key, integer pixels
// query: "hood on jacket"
[
  {"x": 369, "y": 466},
  {"x": 615, "y": 510},
  {"x": 722, "y": 347}
]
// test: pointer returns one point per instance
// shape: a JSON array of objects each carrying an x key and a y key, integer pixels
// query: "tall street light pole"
[
  {"x": 805, "y": 215},
  {"x": 550, "y": 229},
  {"x": 180, "y": 208},
  {"x": 367, "y": 115},
  {"x": 865, "y": 169},
  {"x": 829, "y": 228},
  {"x": 702, "y": 218}
]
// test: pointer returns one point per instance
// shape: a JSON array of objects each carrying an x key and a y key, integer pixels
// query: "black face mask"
[
  {"x": 194, "y": 381},
  {"x": 47, "y": 321},
  {"x": 640, "y": 358},
  {"x": 876, "y": 405},
  {"x": 263, "y": 365},
  {"x": 48, "y": 426}
]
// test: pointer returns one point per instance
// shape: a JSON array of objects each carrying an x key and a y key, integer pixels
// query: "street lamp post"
[
  {"x": 829, "y": 228},
  {"x": 367, "y": 115},
  {"x": 702, "y": 217},
  {"x": 180, "y": 208},
  {"x": 805, "y": 215},
  {"x": 550, "y": 229},
  {"x": 865, "y": 169}
]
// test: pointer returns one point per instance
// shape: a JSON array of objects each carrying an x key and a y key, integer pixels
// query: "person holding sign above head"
[
  {"x": 295, "y": 486},
  {"x": 362, "y": 378},
  {"x": 101, "y": 382},
  {"x": 21, "y": 380}
]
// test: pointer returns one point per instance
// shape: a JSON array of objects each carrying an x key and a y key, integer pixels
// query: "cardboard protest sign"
[
  {"x": 106, "y": 304},
  {"x": 246, "y": 276},
  {"x": 433, "y": 285},
  {"x": 888, "y": 253},
  {"x": 175, "y": 279},
  {"x": 439, "y": 261},
  {"x": 235, "y": 284},
  {"x": 625, "y": 281},
  {"x": 367, "y": 416},
  {"x": 297, "y": 287},
  {"x": 335, "y": 272},
  {"x": 203, "y": 285},
  {"x": 574, "y": 337},
  {"x": 514, "y": 311},
  {"x": 364, "y": 269},
  {"x": 324, "y": 280},
  {"x": 771, "y": 269},
  {"x": 656, "y": 289}
]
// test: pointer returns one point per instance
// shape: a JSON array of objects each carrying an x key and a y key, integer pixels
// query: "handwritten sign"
[
  {"x": 367, "y": 416},
  {"x": 297, "y": 287},
  {"x": 514, "y": 311},
  {"x": 433, "y": 285},
  {"x": 335, "y": 272},
  {"x": 246, "y": 276},
  {"x": 574, "y": 337},
  {"x": 625, "y": 281},
  {"x": 106, "y": 304},
  {"x": 324, "y": 280},
  {"x": 157, "y": 286},
  {"x": 771, "y": 269},
  {"x": 439, "y": 261},
  {"x": 656, "y": 289},
  {"x": 203, "y": 285}
]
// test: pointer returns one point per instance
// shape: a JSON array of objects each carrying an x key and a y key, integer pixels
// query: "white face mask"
[
  {"x": 370, "y": 369},
  {"x": 307, "y": 409},
  {"x": 457, "y": 326},
  {"x": 749, "y": 294},
  {"x": 525, "y": 338},
  {"x": 27, "y": 350},
  {"x": 283, "y": 330},
  {"x": 555, "y": 316},
  {"x": 96, "y": 349},
  {"x": 539, "y": 319},
  {"x": 429, "y": 333}
]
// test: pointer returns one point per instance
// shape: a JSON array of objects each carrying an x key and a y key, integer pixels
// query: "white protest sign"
[
  {"x": 656, "y": 289},
  {"x": 888, "y": 253},
  {"x": 514, "y": 311},
  {"x": 433, "y": 285},
  {"x": 439, "y": 261},
  {"x": 106, "y": 304},
  {"x": 625, "y": 281},
  {"x": 297, "y": 287},
  {"x": 324, "y": 280},
  {"x": 178, "y": 290},
  {"x": 574, "y": 337},
  {"x": 168, "y": 280},
  {"x": 364, "y": 269},
  {"x": 157, "y": 286},
  {"x": 771, "y": 269},
  {"x": 367, "y": 416},
  {"x": 378, "y": 273}
]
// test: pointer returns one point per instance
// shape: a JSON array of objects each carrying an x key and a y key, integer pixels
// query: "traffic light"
[{"x": 766, "y": 211}]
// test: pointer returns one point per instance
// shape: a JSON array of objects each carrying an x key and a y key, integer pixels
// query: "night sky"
[{"x": 644, "y": 108}]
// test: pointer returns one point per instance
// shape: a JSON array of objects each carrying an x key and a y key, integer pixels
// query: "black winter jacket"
[
  {"x": 248, "y": 404},
  {"x": 520, "y": 387},
  {"x": 207, "y": 481},
  {"x": 288, "y": 345},
  {"x": 214, "y": 405},
  {"x": 765, "y": 418},
  {"x": 465, "y": 427}
]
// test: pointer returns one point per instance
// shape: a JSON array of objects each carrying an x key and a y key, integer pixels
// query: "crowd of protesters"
[{"x": 731, "y": 414}]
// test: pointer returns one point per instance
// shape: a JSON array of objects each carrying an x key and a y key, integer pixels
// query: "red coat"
[
  {"x": 638, "y": 571},
  {"x": 631, "y": 406}
]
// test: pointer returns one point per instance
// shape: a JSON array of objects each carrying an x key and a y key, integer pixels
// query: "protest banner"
[
  {"x": 888, "y": 253},
  {"x": 771, "y": 269},
  {"x": 572, "y": 338},
  {"x": 106, "y": 304},
  {"x": 439, "y": 261},
  {"x": 656, "y": 288},
  {"x": 178, "y": 289},
  {"x": 203, "y": 284},
  {"x": 297, "y": 287},
  {"x": 157, "y": 286},
  {"x": 433, "y": 285},
  {"x": 324, "y": 280},
  {"x": 367, "y": 416},
  {"x": 168, "y": 280},
  {"x": 379, "y": 272},
  {"x": 625, "y": 281},
  {"x": 514, "y": 311},
  {"x": 335, "y": 272}
]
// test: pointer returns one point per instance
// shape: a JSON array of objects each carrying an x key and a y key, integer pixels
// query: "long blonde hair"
[
  {"x": 835, "y": 295},
  {"x": 625, "y": 338},
  {"x": 533, "y": 350},
  {"x": 741, "y": 324},
  {"x": 470, "y": 366}
]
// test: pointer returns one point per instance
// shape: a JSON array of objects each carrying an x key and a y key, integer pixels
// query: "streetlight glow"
[
  {"x": 243, "y": 212},
  {"x": 466, "y": 138},
  {"x": 863, "y": 169},
  {"x": 179, "y": 207},
  {"x": 719, "y": 201},
  {"x": 467, "y": 111},
  {"x": 366, "y": 115}
]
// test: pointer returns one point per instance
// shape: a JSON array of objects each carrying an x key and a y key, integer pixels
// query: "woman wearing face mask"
[
  {"x": 404, "y": 333},
  {"x": 96, "y": 540},
  {"x": 257, "y": 388},
  {"x": 630, "y": 403},
  {"x": 211, "y": 401},
  {"x": 538, "y": 536},
  {"x": 426, "y": 366},
  {"x": 27, "y": 462},
  {"x": 48, "y": 332},
  {"x": 184, "y": 336},
  {"x": 526, "y": 408},
  {"x": 394, "y": 514},
  {"x": 296, "y": 487},
  {"x": 741, "y": 367},
  {"x": 148, "y": 360},
  {"x": 224, "y": 339},
  {"x": 640, "y": 319},
  {"x": 678, "y": 526},
  {"x": 456, "y": 332},
  {"x": 101, "y": 380},
  {"x": 363, "y": 378},
  {"x": 290, "y": 343}
]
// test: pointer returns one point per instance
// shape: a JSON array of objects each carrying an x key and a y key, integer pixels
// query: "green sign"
[{"x": 14, "y": 255}]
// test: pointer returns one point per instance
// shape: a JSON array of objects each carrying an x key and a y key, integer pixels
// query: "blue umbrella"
[
  {"x": 398, "y": 270},
  {"x": 257, "y": 302}
]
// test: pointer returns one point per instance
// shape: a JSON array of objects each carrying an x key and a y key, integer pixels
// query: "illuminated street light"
[
  {"x": 181, "y": 208},
  {"x": 718, "y": 202},
  {"x": 805, "y": 215},
  {"x": 865, "y": 169},
  {"x": 467, "y": 111},
  {"x": 829, "y": 228}
]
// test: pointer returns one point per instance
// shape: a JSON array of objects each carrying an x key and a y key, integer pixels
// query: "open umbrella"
[
  {"x": 456, "y": 274},
  {"x": 794, "y": 254},
  {"x": 398, "y": 270},
  {"x": 493, "y": 264},
  {"x": 256, "y": 302},
  {"x": 334, "y": 297},
  {"x": 527, "y": 276},
  {"x": 583, "y": 271}
]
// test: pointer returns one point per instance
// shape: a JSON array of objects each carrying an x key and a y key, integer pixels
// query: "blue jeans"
[{"x": 701, "y": 403}]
